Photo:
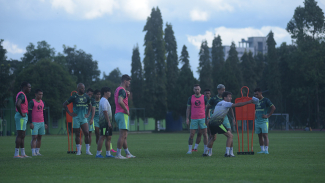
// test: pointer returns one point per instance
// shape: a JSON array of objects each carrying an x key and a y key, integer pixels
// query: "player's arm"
[
  {"x": 188, "y": 110},
  {"x": 30, "y": 114},
  {"x": 120, "y": 101},
  {"x": 107, "y": 118},
  {"x": 89, "y": 110},
  {"x": 242, "y": 103},
  {"x": 207, "y": 113},
  {"x": 92, "y": 115},
  {"x": 18, "y": 103},
  {"x": 233, "y": 117},
  {"x": 46, "y": 117},
  {"x": 65, "y": 106},
  {"x": 270, "y": 113}
]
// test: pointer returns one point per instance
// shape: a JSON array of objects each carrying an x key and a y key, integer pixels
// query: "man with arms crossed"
[
  {"x": 261, "y": 120},
  {"x": 105, "y": 118},
  {"x": 216, "y": 122},
  {"x": 80, "y": 101},
  {"x": 37, "y": 118},
  {"x": 196, "y": 106},
  {"x": 122, "y": 113},
  {"x": 21, "y": 118}
]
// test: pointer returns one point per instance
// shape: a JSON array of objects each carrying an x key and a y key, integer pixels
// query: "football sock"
[
  {"x": 231, "y": 151},
  {"x": 16, "y": 151},
  {"x": 98, "y": 153},
  {"x": 210, "y": 150},
  {"x": 127, "y": 151},
  {"x": 262, "y": 148},
  {"x": 108, "y": 153},
  {"x": 118, "y": 153},
  {"x": 22, "y": 151},
  {"x": 189, "y": 147},
  {"x": 33, "y": 151},
  {"x": 37, "y": 150},
  {"x": 87, "y": 147},
  {"x": 196, "y": 145},
  {"x": 78, "y": 147},
  {"x": 227, "y": 150},
  {"x": 266, "y": 148}
]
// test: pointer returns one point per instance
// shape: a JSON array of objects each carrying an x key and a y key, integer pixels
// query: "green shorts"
[
  {"x": 39, "y": 128},
  {"x": 96, "y": 121},
  {"x": 77, "y": 122},
  {"x": 196, "y": 122},
  {"x": 262, "y": 128},
  {"x": 226, "y": 122},
  {"x": 91, "y": 127},
  {"x": 122, "y": 121},
  {"x": 21, "y": 121}
]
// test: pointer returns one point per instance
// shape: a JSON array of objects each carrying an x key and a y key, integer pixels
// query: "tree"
[
  {"x": 5, "y": 76},
  {"x": 137, "y": 79},
  {"x": 55, "y": 82},
  {"x": 259, "y": 69},
  {"x": 218, "y": 60},
  {"x": 204, "y": 68},
  {"x": 81, "y": 65},
  {"x": 33, "y": 55},
  {"x": 172, "y": 64},
  {"x": 247, "y": 67},
  {"x": 154, "y": 36},
  {"x": 114, "y": 76}
]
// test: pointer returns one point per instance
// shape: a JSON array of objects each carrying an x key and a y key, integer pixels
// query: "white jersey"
[
  {"x": 220, "y": 112},
  {"x": 104, "y": 106}
]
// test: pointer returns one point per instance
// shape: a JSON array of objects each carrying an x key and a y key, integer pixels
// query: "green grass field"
[{"x": 161, "y": 157}]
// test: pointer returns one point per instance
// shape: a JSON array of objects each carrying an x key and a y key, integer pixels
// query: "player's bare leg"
[
  {"x": 266, "y": 143},
  {"x": 89, "y": 138},
  {"x": 190, "y": 141},
  {"x": 198, "y": 139},
  {"x": 85, "y": 131},
  {"x": 261, "y": 141},
  {"x": 97, "y": 134},
  {"x": 229, "y": 136}
]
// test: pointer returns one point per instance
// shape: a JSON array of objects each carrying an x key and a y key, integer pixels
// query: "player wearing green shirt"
[
  {"x": 261, "y": 119},
  {"x": 80, "y": 101}
]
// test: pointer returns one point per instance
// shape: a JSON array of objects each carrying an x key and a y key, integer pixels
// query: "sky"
[{"x": 110, "y": 29}]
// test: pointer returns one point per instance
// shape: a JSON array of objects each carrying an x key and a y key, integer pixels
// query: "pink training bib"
[
  {"x": 37, "y": 113},
  {"x": 23, "y": 106},
  {"x": 125, "y": 101},
  {"x": 197, "y": 107}
]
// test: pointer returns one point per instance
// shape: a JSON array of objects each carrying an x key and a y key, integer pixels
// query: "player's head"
[
  {"x": 197, "y": 89},
  {"x": 38, "y": 94},
  {"x": 207, "y": 93},
  {"x": 25, "y": 87},
  {"x": 258, "y": 93},
  {"x": 97, "y": 94},
  {"x": 90, "y": 92},
  {"x": 126, "y": 80},
  {"x": 106, "y": 92},
  {"x": 227, "y": 96},
  {"x": 81, "y": 88},
  {"x": 221, "y": 88}
]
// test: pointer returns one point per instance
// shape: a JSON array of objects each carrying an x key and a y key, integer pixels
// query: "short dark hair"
[
  {"x": 126, "y": 77},
  {"x": 90, "y": 90},
  {"x": 207, "y": 90},
  {"x": 23, "y": 84},
  {"x": 195, "y": 85},
  {"x": 38, "y": 90},
  {"x": 257, "y": 90},
  {"x": 96, "y": 91},
  {"x": 105, "y": 89},
  {"x": 225, "y": 94}
]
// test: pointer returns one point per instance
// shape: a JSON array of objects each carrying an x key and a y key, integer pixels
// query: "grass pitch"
[{"x": 294, "y": 157}]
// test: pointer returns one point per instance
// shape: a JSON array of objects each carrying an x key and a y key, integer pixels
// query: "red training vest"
[{"x": 197, "y": 107}]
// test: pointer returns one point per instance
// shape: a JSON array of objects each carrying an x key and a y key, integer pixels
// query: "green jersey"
[
  {"x": 95, "y": 103},
  {"x": 262, "y": 108},
  {"x": 80, "y": 104}
]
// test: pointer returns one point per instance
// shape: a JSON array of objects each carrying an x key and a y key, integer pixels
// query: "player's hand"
[
  {"x": 187, "y": 121},
  {"x": 23, "y": 115},
  {"x": 91, "y": 121},
  {"x": 128, "y": 92},
  {"x": 87, "y": 115},
  {"x": 110, "y": 125},
  {"x": 128, "y": 112},
  {"x": 265, "y": 116},
  {"x": 31, "y": 126},
  {"x": 45, "y": 126},
  {"x": 73, "y": 114},
  {"x": 234, "y": 121}
]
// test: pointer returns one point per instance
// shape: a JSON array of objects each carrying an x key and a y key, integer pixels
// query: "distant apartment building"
[{"x": 253, "y": 44}]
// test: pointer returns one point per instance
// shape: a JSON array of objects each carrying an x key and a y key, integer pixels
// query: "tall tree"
[
  {"x": 137, "y": 78},
  {"x": 33, "y": 55},
  {"x": 114, "y": 76},
  {"x": 172, "y": 64},
  {"x": 274, "y": 76},
  {"x": 218, "y": 60},
  {"x": 5, "y": 76},
  {"x": 204, "y": 68},
  {"x": 259, "y": 69},
  {"x": 154, "y": 36},
  {"x": 247, "y": 67}
]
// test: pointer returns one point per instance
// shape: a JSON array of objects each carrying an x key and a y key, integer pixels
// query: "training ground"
[{"x": 161, "y": 157}]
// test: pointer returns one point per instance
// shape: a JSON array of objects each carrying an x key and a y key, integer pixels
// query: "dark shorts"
[
  {"x": 105, "y": 131},
  {"x": 217, "y": 129}
]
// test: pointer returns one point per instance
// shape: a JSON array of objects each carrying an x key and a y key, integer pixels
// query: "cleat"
[
  {"x": 99, "y": 156},
  {"x": 194, "y": 150},
  {"x": 39, "y": 154},
  {"x": 226, "y": 155},
  {"x": 120, "y": 157},
  {"x": 266, "y": 152},
  {"x": 189, "y": 152},
  {"x": 17, "y": 156},
  {"x": 204, "y": 154},
  {"x": 78, "y": 153},
  {"x": 130, "y": 156},
  {"x": 231, "y": 156},
  {"x": 34, "y": 154},
  {"x": 210, "y": 154},
  {"x": 25, "y": 156},
  {"x": 89, "y": 153},
  {"x": 261, "y": 152},
  {"x": 112, "y": 150},
  {"x": 110, "y": 156}
]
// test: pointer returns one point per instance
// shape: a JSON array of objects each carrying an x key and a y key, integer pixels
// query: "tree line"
[{"x": 292, "y": 76}]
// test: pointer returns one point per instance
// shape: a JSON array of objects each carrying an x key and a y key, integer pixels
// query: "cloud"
[
  {"x": 139, "y": 9},
  {"x": 236, "y": 34},
  {"x": 197, "y": 15},
  {"x": 12, "y": 48},
  {"x": 67, "y": 5}
]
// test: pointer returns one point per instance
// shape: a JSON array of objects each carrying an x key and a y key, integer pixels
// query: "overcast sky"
[{"x": 109, "y": 29}]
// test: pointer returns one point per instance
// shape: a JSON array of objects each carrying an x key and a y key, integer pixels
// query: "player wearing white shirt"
[{"x": 215, "y": 123}]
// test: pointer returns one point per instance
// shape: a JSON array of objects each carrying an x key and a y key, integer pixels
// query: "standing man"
[
  {"x": 261, "y": 120},
  {"x": 216, "y": 122},
  {"x": 122, "y": 113},
  {"x": 95, "y": 116},
  {"x": 105, "y": 118},
  {"x": 90, "y": 119},
  {"x": 21, "y": 118},
  {"x": 37, "y": 118},
  {"x": 196, "y": 106},
  {"x": 210, "y": 109},
  {"x": 80, "y": 101},
  {"x": 207, "y": 94}
]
